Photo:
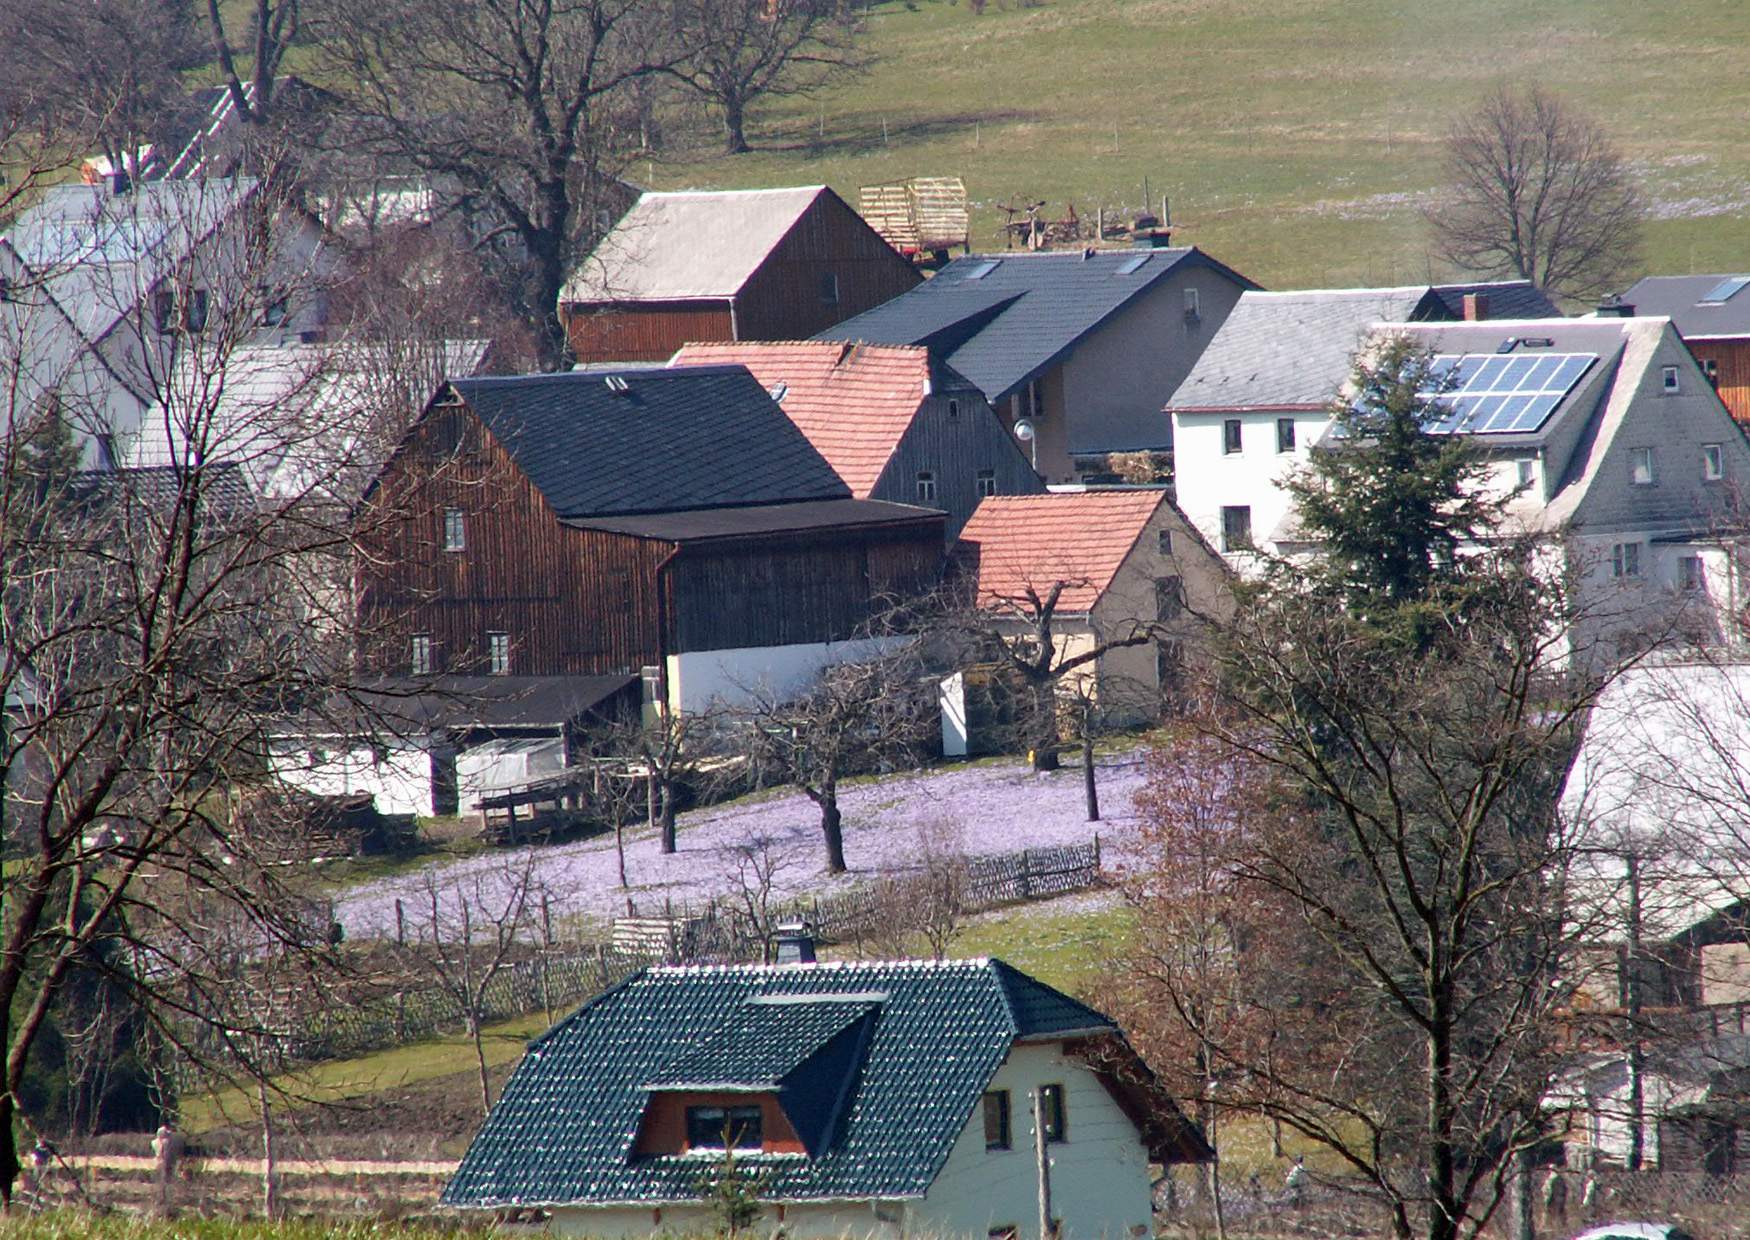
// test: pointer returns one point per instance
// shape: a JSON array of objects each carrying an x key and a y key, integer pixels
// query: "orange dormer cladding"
[{"x": 664, "y": 1127}]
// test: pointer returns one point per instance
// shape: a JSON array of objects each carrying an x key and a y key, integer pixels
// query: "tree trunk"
[
  {"x": 831, "y": 826},
  {"x": 667, "y": 819},
  {"x": 620, "y": 850},
  {"x": 1090, "y": 790},
  {"x": 1524, "y": 1196},
  {"x": 734, "y": 116},
  {"x": 1440, "y": 1153},
  {"x": 474, "y": 1032},
  {"x": 9, "y": 1164},
  {"x": 270, "y": 1189},
  {"x": 1045, "y": 740}
]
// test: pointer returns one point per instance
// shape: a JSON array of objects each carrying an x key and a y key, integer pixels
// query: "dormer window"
[{"x": 721, "y": 1128}]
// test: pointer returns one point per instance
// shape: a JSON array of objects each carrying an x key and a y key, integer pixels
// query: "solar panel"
[
  {"x": 1494, "y": 394},
  {"x": 1133, "y": 264},
  {"x": 1725, "y": 290},
  {"x": 983, "y": 269}
]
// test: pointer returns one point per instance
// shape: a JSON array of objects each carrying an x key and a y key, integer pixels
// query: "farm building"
[
  {"x": 878, "y": 1099},
  {"x": 1121, "y": 562},
  {"x": 893, "y": 423},
  {"x": 1712, "y": 314},
  {"x": 766, "y": 264},
  {"x": 1076, "y": 350},
  {"x": 670, "y": 523}
]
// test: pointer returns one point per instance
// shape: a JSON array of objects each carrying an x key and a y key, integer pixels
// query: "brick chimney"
[{"x": 1476, "y": 307}]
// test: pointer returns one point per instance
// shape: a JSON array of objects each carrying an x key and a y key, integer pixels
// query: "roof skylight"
[{"x": 1724, "y": 291}]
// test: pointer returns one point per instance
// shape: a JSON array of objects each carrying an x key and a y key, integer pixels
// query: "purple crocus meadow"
[{"x": 889, "y": 823}]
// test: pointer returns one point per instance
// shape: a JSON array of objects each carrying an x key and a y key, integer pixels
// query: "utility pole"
[{"x": 1046, "y": 1230}]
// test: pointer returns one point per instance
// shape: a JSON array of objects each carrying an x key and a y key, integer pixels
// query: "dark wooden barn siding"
[
  {"x": 574, "y": 602},
  {"x": 1732, "y": 358},
  {"x": 781, "y": 592},
  {"x": 953, "y": 449},
  {"x": 644, "y": 332},
  {"x": 782, "y": 300}
]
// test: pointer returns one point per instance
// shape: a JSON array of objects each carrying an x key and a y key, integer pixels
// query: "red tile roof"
[
  {"x": 1019, "y": 542},
  {"x": 853, "y": 402}
]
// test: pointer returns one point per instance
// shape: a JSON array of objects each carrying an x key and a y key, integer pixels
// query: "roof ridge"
[{"x": 968, "y": 963}]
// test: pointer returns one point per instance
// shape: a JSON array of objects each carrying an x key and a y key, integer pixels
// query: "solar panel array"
[
  {"x": 1725, "y": 290},
  {"x": 1496, "y": 394}
]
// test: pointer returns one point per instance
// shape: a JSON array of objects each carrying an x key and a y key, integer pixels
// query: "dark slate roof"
[
  {"x": 1508, "y": 299},
  {"x": 765, "y": 1040},
  {"x": 1678, "y": 298},
  {"x": 223, "y": 488},
  {"x": 1022, "y": 316},
  {"x": 643, "y": 441},
  {"x": 754, "y": 521},
  {"x": 415, "y": 705},
  {"x": 564, "y": 1129}
]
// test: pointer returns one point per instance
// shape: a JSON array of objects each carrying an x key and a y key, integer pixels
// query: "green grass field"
[{"x": 1297, "y": 138}]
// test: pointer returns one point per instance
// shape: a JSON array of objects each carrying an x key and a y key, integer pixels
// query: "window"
[
  {"x": 273, "y": 311},
  {"x": 1169, "y": 669},
  {"x": 716, "y": 1128},
  {"x": 1640, "y": 466},
  {"x": 1166, "y": 542},
  {"x": 1527, "y": 467},
  {"x": 1056, "y": 1117},
  {"x": 420, "y": 660},
  {"x": 1236, "y": 528},
  {"x": 829, "y": 289},
  {"x": 1169, "y": 598},
  {"x": 1230, "y": 436},
  {"x": 1193, "y": 305},
  {"x": 1035, "y": 399},
  {"x": 987, "y": 482},
  {"x": 1713, "y": 462},
  {"x": 455, "y": 530},
  {"x": 164, "y": 310},
  {"x": 1711, "y": 369},
  {"x": 926, "y": 487},
  {"x": 953, "y": 410},
  {"x": 194, "y": 314},
  {"x": 1625, "y": 560},
  {"x": 996, "y": 1120},
  {"x": 498, "y": 653},
  {"x": 1285, "y": 434},
  {"x": 1668, "y": 374},
  {"x": 1690, "y": 577}
]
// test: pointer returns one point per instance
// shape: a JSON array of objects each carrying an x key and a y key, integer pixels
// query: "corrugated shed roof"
[
  {"x": 693, "y": 245},
  {"x": 563, "y": 1130},
  {"x": 1017, "y": 543},
  {"x": 1679, "y": 298},
  {"x": 854, "y": 402},
  {"x": 1289, "y": 350},
  {"x": 646, "y": 441},
  {"x": 1003, "y": 319}
]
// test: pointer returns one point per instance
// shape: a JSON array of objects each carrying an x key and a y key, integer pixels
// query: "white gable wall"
[
  {"x": 1207, "y": 479},
  {"x": 1099, "y": 1176}
]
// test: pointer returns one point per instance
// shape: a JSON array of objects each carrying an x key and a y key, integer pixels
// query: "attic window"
[
  {"x": 926, "y": 486},
  {"x": 717, "y": 1128},
  {"x": 953, "y": 410},
  {"x": 996, "y": 1120},
  {"x": 1133, "y": 264},
  {"x": 1193, "y": 305},
  {"x": 984, "y": 269},
  {"x": 1668, "y": 376},
  {"x": 455, "y": 530},
  {"x": 829, "y": 289},
  {"x": 1724, "y": 291}
]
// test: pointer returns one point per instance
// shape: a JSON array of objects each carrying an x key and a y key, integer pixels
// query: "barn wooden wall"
[
  {"x": 1733, "y": 359},
  {"x": 644, "y": 332}
]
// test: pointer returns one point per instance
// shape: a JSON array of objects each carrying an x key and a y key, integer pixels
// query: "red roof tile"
[
  {"x": 853, "y": 402},
  {"x": 1021, "y": 542}
]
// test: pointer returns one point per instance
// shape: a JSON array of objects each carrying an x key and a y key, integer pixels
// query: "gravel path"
[{"x": 977, "y": 810}]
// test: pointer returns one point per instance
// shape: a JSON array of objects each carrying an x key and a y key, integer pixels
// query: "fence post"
[
  {"x": 400, "y": 924},
  {"x": 1096, "y": 854},
  {"x": 1026, "y": 874}
]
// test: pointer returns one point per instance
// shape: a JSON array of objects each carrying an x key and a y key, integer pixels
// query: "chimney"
[
  {"x": 795, "y": 945},
  {"x": 1476, "y": 307},
  {"x": 1614, "y": 307}
]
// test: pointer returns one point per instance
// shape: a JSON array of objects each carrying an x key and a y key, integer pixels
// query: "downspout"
[
  {"x": 734, "y": 327},
  {"x": 662, "y": 624}
]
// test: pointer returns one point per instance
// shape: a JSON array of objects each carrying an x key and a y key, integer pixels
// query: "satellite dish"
[{"x": 1024, "y": 430}]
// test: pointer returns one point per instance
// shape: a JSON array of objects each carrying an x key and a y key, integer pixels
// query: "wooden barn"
[
  {"x": 672, "y": 523},
  {"x": 766, "y": 264}
]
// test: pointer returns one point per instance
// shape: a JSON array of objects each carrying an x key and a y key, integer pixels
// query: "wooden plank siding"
[
  {"x": 1731, "y": 359},
  {"x": 574, "y": 602},
  {"x": 955, "y": 436},
  {"x": 782, "y": 299},
  {"x": 644, "y": 331}
]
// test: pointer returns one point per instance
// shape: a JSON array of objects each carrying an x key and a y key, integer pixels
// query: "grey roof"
[
  {"x": 1679, "y": 298},
  {"x": 879, "y": 1065},
  {"x": 1289, "y": 350},
  {"x": 223, "y": 488},
  {"x": 751, "y": 522},
  {"x": 689, "y": 246},
  {"x": 644, "y": 441},
  {"x": 1508, "y": 299},
  {"x": 415, "y": 705},
  {"x": 1023, "y": 314}
]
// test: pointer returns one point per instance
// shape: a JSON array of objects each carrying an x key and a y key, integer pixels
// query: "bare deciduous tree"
[
  {"x": 273, "y": 27},
  {"x": 1538, "y": 191},
  {"x": 765, "y": 49}
]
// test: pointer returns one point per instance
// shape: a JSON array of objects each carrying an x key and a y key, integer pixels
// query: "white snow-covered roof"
[
  {"x": 1662, "y": 777},
  {"x": 688, "y": 246}
]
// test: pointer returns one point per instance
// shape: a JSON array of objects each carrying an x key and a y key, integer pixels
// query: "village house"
[
  {"x": 874, "y": 1099},
  {"x": 1260, "y": 395},
  {"x": 669, "y": 523},
  {"x": 1712, "y": 314},
  {"x": 893, "y": 423},
  {"x": 102, "y": 285},
  {"x": 1124, "y": 562},
  {"x": 762, "y": 264},
  {"x": 1076, "y": 350},
  {"x": 1604, "y": 431}
]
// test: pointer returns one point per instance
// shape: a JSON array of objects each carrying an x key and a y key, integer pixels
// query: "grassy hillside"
[{"x": 1297, "y": 138}]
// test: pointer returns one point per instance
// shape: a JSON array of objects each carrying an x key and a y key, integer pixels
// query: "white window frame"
[
  {"x": 1669, "y": 380},
  {"x": 1625, "y": 561},
  {"x": 419, "y": 654},
  {"x": 1285, "y": 424},
  {"x": 1713, "y": 462},
  {"x": 986, "y": 483},
  {"x": 455, "y": 530},
  {"x": 926, "y": 483},
  {"x": 1641, "y": 472},
  {"x": 1193, "y": 304},
  {"x": 1527, "y": 467},
  {"x": 1691, "y": 574},
  {"x": 498, "y": 653}
]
